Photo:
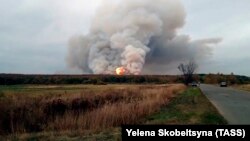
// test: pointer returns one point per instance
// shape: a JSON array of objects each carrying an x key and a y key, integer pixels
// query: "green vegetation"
[
  {"x": 231, "y": 79},
  {"x": 18, "y": 79},
  {"x": 190, "y": 107},
  {"x": 2, "y": 95}
]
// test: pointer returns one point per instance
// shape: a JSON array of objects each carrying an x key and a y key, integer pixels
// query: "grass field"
[
  {"x": 95, "y": 112},
  {"x": 190, "y": 107},
  {"x": 245, "y": 87},
  {"x": 84, "y": 109}
]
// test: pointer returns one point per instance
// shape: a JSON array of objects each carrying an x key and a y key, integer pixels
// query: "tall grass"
[
  {"x": 88, "y": 110},
  {"x": 245, "y": 87}
]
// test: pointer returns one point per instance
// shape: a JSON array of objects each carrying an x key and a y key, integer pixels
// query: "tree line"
[
  {"x": 188, "y": 76},
  {"x": 14, "y": 79}
]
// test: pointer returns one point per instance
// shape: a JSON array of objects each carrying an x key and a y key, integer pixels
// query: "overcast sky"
[{"x": 34, "y": 34}]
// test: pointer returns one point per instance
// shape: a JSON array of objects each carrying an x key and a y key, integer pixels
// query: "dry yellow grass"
[
  {"x": 245, "y": 87},
  {"x": 124, "y": 112},
  {"x": 89, "y": 109}
]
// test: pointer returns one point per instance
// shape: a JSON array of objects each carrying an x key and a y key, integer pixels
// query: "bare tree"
[{"x": 188, "y": 71}]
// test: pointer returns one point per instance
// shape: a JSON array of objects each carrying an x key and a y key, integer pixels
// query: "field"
[
  {"x": 94, "y": 112},
  {"x": 245, "y": 87},
  {"x": 189, "y": 107}
]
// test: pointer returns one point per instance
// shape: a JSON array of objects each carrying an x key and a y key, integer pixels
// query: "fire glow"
[
  {"x": 120, "y": 71},
  {"x": 139, "y": 35}
]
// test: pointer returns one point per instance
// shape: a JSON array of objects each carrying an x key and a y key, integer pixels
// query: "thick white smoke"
[{"x": 139, "y": 35}]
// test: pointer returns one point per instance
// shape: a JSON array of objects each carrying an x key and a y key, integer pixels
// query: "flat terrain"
[
  {"x": 189, "y": 107},
  {"x": 79, "y": 109},
  {"x": 95, "y": 112},
  {"x": 245, "y": 87},
  {"x": 233, "y": 104}
]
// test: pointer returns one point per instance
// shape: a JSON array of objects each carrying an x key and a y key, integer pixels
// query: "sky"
[{"x": 34, "y": 34}]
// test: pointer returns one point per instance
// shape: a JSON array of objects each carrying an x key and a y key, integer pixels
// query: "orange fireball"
[{"x": 120, "y": 71}]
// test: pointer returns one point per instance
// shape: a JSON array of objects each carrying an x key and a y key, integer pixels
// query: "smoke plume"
[{"x": 139, "y": 35}]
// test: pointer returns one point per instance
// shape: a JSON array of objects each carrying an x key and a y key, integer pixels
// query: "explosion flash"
[
  {"x": 140, "y": 35},
  {"x": 120, "y": 71}
]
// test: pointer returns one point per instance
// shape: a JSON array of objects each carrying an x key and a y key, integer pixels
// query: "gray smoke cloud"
[{"x": 139, "y": 35}]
